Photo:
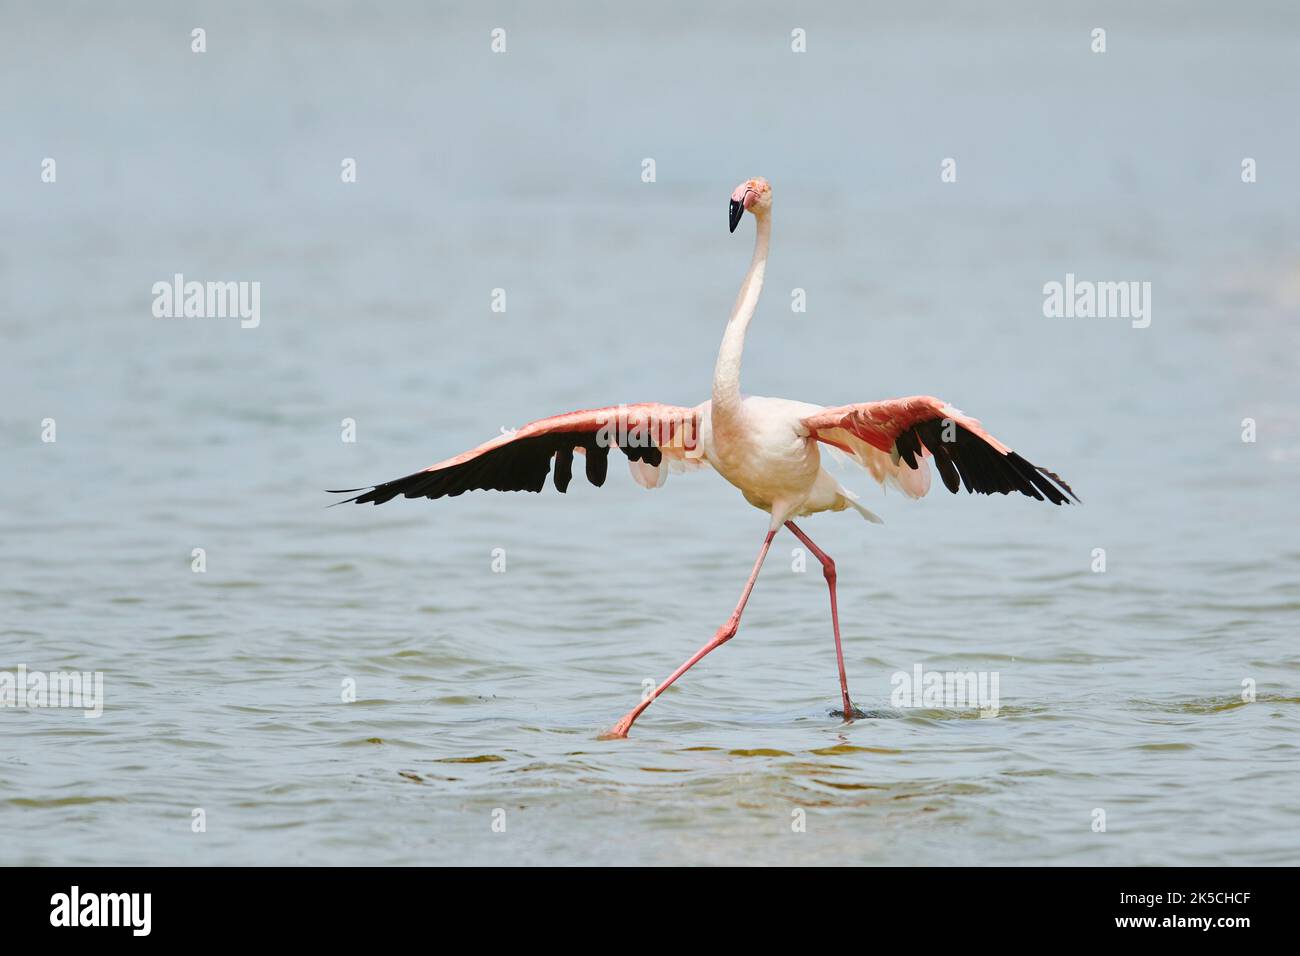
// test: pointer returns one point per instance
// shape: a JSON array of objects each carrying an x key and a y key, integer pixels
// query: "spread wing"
[
  {"x": 892, "y": 439},
  {"x": 650, "y": 434}
]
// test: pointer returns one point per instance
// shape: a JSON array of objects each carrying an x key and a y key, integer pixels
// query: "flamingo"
[{"x": 768, "y": 448}]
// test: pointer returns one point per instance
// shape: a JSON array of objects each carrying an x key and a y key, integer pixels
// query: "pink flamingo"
[{"x": 766, "y": 447}]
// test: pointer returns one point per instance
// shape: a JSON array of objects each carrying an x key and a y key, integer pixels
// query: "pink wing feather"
[
  {"x": 892, "y": 439},
  {"x": 649, "y": 434}
]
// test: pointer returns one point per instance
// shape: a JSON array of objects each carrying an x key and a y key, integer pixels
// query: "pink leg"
[
  {"x": 724, "y": 634},
  {"x": 828, "y": 571}
]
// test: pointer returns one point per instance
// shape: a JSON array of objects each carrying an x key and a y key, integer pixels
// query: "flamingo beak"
[{"x": 734, "y": 212}]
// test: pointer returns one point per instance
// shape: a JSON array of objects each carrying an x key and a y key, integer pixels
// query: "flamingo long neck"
[{"x": 726, "y": 373}]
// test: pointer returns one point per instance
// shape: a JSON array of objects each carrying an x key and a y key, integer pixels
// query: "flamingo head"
[{"x": 754, "y": 195}]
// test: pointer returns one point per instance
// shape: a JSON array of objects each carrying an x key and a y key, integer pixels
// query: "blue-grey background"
[{"x": 480, "y": 691}]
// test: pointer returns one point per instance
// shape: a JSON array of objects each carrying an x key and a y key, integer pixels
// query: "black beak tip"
[{"x": 734, "y": 212}]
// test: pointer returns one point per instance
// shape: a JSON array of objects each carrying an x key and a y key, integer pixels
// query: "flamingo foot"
[
  {"x": 619, "y": 730},
  {"x": 850, "y": 713}
]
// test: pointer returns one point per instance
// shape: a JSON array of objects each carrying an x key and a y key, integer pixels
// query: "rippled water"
[{"x": 481, "y": 695}]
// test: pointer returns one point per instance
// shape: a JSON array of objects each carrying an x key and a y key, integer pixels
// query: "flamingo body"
[{"x": 772, "y": 458}]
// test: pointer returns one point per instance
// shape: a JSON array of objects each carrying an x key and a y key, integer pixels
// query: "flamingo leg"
[
  {"x": 828, "y": 571},
  {"x": 724, "y": 634}
]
